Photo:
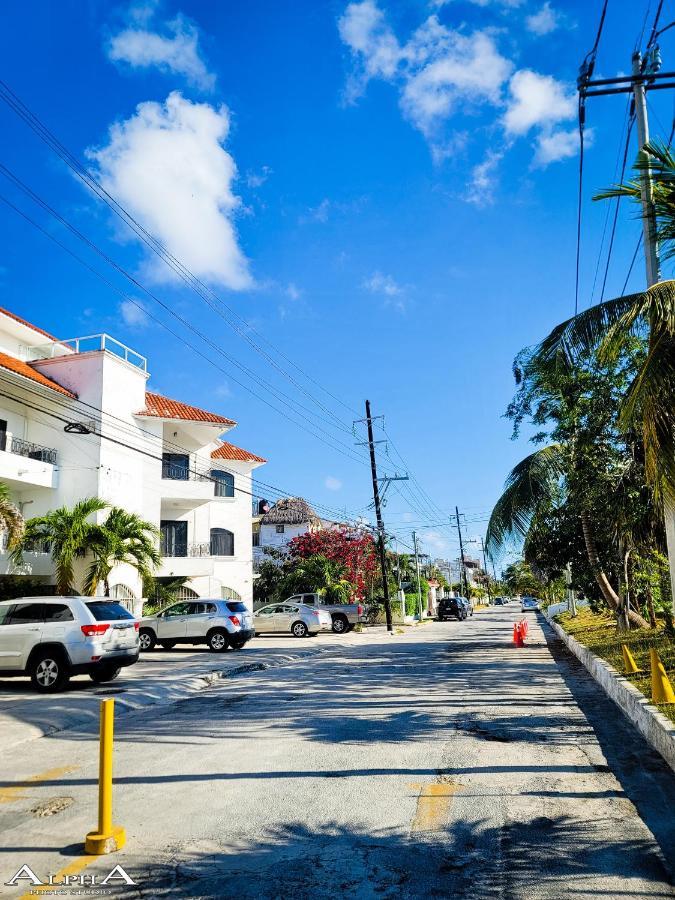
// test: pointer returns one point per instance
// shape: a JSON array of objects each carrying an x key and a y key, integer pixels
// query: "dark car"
[
  {"x": 468, "y": 605},
  {"x": 451, "y": 608},
  {"x": 500, "y": 601}
]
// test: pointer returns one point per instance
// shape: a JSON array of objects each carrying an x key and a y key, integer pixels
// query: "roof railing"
[{"x": 87, "y": 344}]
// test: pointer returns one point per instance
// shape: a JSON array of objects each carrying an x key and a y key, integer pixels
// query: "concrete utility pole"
[
  {"x": 380, "y": 523},
  {"x": 648, "y": 217},
  {"x": 417, "y": 567},
  {"x": 487, "y": 574}
]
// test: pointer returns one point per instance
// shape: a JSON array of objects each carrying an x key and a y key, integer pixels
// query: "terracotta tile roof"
[
  {"x": 229, "y": 451},
  {"x": 6, "y": 312},
  {"x": 22, "y": 368},
  {"x": 165, "y": 408}
]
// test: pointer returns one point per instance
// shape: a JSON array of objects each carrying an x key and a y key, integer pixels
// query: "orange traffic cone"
[
  {"x": 516, "y": 636},
  {"x": 521, "y": 634}
]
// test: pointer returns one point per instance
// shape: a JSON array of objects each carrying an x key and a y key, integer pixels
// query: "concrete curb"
[{"x": 652, "y": 724}]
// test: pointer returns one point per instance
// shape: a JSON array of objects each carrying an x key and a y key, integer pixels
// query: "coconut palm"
[
  {"x": 317, "y": 573},
  {"x": 67, "y": 533},
  {"x": 11, "y": 520},
  {"x": 123, "y": 538}
]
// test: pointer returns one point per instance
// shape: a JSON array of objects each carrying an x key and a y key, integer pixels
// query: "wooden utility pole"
[{"x": 380, "y": 524}]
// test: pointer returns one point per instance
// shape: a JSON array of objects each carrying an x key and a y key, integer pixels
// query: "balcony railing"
[
  {"x": 192, "y": 550},
  {"x": 182, "y": 473},
  {"x": 87, "y": 344},
  {"x": 28, "y": 449}
]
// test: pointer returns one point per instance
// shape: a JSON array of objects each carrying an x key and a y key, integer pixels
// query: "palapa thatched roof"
[{"x": 290, "y": 511}]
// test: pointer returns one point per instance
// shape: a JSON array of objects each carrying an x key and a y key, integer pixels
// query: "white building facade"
[{"x": 77, "y": 420}]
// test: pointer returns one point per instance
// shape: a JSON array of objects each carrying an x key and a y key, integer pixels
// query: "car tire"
[
  {"x": 167, "y": 645},
  {"x": 340, "y": 624},
  {"x": 101, "y": 676},
  {"x": 147, "y": 639},
  {"x": 299, "y": 629},
  {"x": 49, "y": 672},
  {"x": 217, "y": 640}
]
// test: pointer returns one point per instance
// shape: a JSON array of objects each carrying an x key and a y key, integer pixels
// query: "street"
[{"x": 443, "y": 762}]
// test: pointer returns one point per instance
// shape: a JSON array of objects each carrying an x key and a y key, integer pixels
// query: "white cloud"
[
  {"x": 257, "y": 179},
  {"x": 176, "y": 51},
  {"x": 543, "y": 22},
  {"x": 333, "y": 484},
  {"x": 133, "y": 313},
  {"x": 557, "y": 145},
  {"x": 223, "y": 390},
  {"x": 168, "y": 166},
  {"x": 537, "y": 100},
  {"x": 292, "y": 291},
  {"x": 443, "y": 74},
  {"x": 481, "y": 190},
  {"x": 382, "y": 284}
]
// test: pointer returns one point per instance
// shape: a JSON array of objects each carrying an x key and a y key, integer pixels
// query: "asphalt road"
[{"x": 441, "y": 763}]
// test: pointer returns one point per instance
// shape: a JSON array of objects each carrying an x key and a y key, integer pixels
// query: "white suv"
[{"x": 52, "y": 638}]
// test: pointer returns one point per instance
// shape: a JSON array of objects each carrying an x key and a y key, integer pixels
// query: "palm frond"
[{"x": 533, "y": 481}]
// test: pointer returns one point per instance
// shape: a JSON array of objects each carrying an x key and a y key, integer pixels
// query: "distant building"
[{"x": 288, "y": 518}]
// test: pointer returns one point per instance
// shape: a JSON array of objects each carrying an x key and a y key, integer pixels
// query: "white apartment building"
[
  {"x": 288, "y": 518},
  {"x": 77, "y": 420}
]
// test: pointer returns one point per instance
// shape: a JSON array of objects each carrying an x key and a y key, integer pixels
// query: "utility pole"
[
  {"x": 487, "y": 574},
  {"x": 380, "y": 523},
  {"x": 648, "y": 217},
  {"x": 417, "y": 567},
  {"x": 644, "y": 76},
  {"x": 461, "y": 553}
]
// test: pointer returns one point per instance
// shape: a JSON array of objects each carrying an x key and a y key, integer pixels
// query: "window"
[
  {"x": 178, "y": 609},
  {"x": 236, "y": 606},
  {"x": 211, "y": 608},
  {"x": 176, "y": 466},
  {"x": 222, "y": 542},
  {"x": 3, "y": 434},
  {"x": 267, "y": 611},
  {"x": 107, "y": 611},
  {"x": 26, "y": 613},
  {"x": 229, "y": 594},
  {"x": 197, "y": 609},
  {"x": 309, "y": 599},
  {"x": 256, "y": 538},
  {"x": 58, "y": 612},
  {"x": 4, "y": 613},
  {"x": 280, "y": 529},
  {"x": 174, "y": 538},
  {"x": 224, "y": 483}
]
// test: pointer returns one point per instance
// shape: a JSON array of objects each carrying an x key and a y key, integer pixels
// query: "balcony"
[
  {"x": 37, "y": 559},
  {"x": 185, "y": 487},
  {"x": 88, "y": 344},
  {"x": 26, "y": 464},
  {"x": 186, "y": 560}
]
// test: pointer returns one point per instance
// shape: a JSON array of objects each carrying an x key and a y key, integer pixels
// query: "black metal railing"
[
  {"x": 173, "y": 472},
  {"x": 184, "y": 549},
  {"x": 31, "y": 450}
]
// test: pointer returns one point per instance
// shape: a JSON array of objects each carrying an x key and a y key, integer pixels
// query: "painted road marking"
[
  {"x": 75, "y": 867},
  {"x": 433, "y": 804},
  {"x": 18, "y": 790}
]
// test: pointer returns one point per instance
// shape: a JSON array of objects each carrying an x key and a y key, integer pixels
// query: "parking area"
[{"x": 159, "y": 676}]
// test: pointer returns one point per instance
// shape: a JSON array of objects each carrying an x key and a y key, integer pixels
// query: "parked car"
[
  {"x": 530, "y": 604},
  {"x": 51, "y": 638},
  {"x": 296, "y": 618},
  {"x": 500, "y": 601},
  {"x": 468, "y": 605},
  {"x": 217, "y": 623},
  {"x": 451, "y": 608},
  {"x": 344, "y": 616}
]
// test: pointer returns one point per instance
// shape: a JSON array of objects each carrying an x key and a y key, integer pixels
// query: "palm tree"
[
  {"x": 11, "y": 520},
  {"x": 534, "y": 486},
  {"x": 123, "y": 538},
  {"x": 317, "y": 573},
  {"x": 67, "y": 533}
]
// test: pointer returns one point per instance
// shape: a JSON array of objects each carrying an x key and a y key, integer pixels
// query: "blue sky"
[{"x": 386, "y": 192}]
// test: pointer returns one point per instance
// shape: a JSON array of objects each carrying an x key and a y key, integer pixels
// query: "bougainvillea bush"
[{"x": 353, "y": 549}]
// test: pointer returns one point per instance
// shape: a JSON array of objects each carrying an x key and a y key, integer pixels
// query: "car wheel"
[
  {"x": 100, "y": 676},
  {"x": 340, "y": 625},
  {"x": 49, "y": 672},
  {"x": 299, "y": 629},
  {"x": 217, "y": 640},
  {"x": 168, "y": 645},
  {"x": 146, "y": 639}
]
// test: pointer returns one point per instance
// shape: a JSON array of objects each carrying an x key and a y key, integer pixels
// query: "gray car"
[
  {"x": 293, "y": 618},
  {"x": 217, "y": 623}
]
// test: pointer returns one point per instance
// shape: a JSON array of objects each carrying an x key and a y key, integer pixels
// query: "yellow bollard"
[
  {"x": 629, "y": 664},
  {"x": 108, "y": 837},
  {"x": 662, "y": 689}
]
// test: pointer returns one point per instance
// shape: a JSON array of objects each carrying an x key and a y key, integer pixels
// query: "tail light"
[
  {"x": 137, "y": 625},
  {"x": 91, "y": 630},
  {"x": 235, "y": 621},
  {"x": 359, "y": 610}
]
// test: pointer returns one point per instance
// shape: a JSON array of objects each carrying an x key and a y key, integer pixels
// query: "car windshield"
[
  {"x": 236, "y": 606},
  {"x": 107, "y": 610}
]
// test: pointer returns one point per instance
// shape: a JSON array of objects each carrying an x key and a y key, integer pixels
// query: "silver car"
[
  {"x": 217, "y": 623},
  {"x": 296, "y": 618}
]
